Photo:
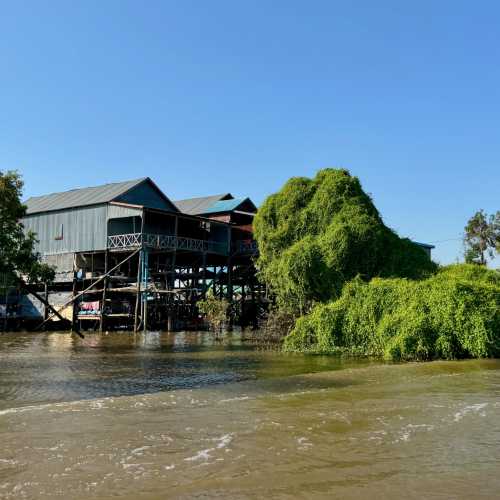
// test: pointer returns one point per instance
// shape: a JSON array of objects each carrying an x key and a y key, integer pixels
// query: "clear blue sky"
[{"x": 215, "y": 96}]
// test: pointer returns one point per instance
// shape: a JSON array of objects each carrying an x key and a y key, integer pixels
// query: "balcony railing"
[{"x": 165, "y": 242}]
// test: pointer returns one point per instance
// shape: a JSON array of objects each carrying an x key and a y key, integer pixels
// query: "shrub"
[
  {"x": 215, "y": 311},
  {"x": 452, "y": 314}
]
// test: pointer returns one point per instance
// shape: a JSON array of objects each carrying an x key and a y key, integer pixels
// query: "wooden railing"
[{"x": 164, "y": 242}]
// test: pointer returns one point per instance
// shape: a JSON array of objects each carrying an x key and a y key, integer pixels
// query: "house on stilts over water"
[{"x": 126, "y": 256}]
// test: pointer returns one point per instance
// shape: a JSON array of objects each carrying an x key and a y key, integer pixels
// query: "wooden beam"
[
  {"x": 48, "y": 306},
  {"x": 89, "y": 287}
]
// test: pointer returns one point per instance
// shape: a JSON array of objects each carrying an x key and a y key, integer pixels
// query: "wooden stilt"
[
  {"x": 243, "y": 300},
  {"x": 46, "y": 295},
  {"x": 138, "y": 293},
  {"x": 230, "y": 291},
  {"x": 171, "y": 297},
  {"x": 105, "y": 286},
  {"x": 229, "y": 280},
  {"x": 144, "y": 294},
  {"x": 138, "y": 297},
  {"x": 74, "y": 290},
  {"x": 254, "y": 305},
  {"x": 204, "y": 274},
  {"x": 73, "y": 299}
]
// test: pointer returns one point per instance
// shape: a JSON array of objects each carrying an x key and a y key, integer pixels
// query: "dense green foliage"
[
  {"x": 314, "y": 235},
  {"x": 328, "y": 257},
  {"x": 17, "y": 256},
  {"x": 482, "y": 237},
  {"x": 452, "y": 314}
]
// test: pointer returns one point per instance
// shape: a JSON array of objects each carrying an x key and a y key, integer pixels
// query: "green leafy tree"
[
  {"x": 482, "y": 237},
  {"x": 17, "y": 255},
  {"x": 314, "y": 235}
]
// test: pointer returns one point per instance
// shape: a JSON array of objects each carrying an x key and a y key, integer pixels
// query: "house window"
[{"x": 59, "y": 232}]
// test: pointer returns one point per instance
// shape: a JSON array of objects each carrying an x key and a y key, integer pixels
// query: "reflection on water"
[
  {"x": 53, "y": 367},
  {"x": 292, "y": 427}
]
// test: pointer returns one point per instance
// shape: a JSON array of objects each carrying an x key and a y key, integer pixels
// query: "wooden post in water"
[
  {"x": 138, "y": 297},
  {"x": 230, "y": 291},
  {"x": 144, "y": 293},
  {"x": 138, "y": 293},
  {"x": 46, "y": 295},
  {"x": 105, "y": 285},
  {"x": 171, "y": 296},
  {"x": 243, "y": 300},
  {"x": 254, "y": 304},
  {"x": 221, "y": 282},
  {"x": 74, "y": 305}
]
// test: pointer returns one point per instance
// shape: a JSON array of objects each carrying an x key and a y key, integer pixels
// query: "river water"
[{"x": 179, "y": 416}]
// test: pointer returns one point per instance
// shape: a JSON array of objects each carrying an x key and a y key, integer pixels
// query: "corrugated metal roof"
[
  {"x": 80, "y": 197},
  {"x": 196, "y": 206},
  {"x": 224, "y": 206}
]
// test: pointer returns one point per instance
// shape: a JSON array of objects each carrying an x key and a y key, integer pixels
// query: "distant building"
[{"x": 428, "y": 248}]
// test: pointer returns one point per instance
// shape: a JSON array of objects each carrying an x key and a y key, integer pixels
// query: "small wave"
[
  {"x": 476, "y": 408},
  {"x": 201, "y": 455},
  {"x": 139, "y": 450},
  {"x": 23, "y": 409},
  {"x": 205, "y": 454},
  {"x": 136, "y": 466},
  {"x": 97, "y": 404},
  {"x": 224, "y": 440},
  {"x": 239, "y": 398},
  {"x": 94, "y": 404},
  {"x": 377, "y": 436},
  {"x": 304, "y": 443},
  {"x": 8, "y": 461},
  {"x": 407, "y": 431}
]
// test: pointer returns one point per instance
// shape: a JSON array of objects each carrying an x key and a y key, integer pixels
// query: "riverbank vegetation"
[
  {"x": 354, "y": 286},
  {"x": 17, "y": 255},
  {"x": 215, "y": 311},
  {"x": 453, "y": 314}
]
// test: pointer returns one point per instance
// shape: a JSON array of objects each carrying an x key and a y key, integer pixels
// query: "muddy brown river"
[{"x": 178, "y": 416}]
